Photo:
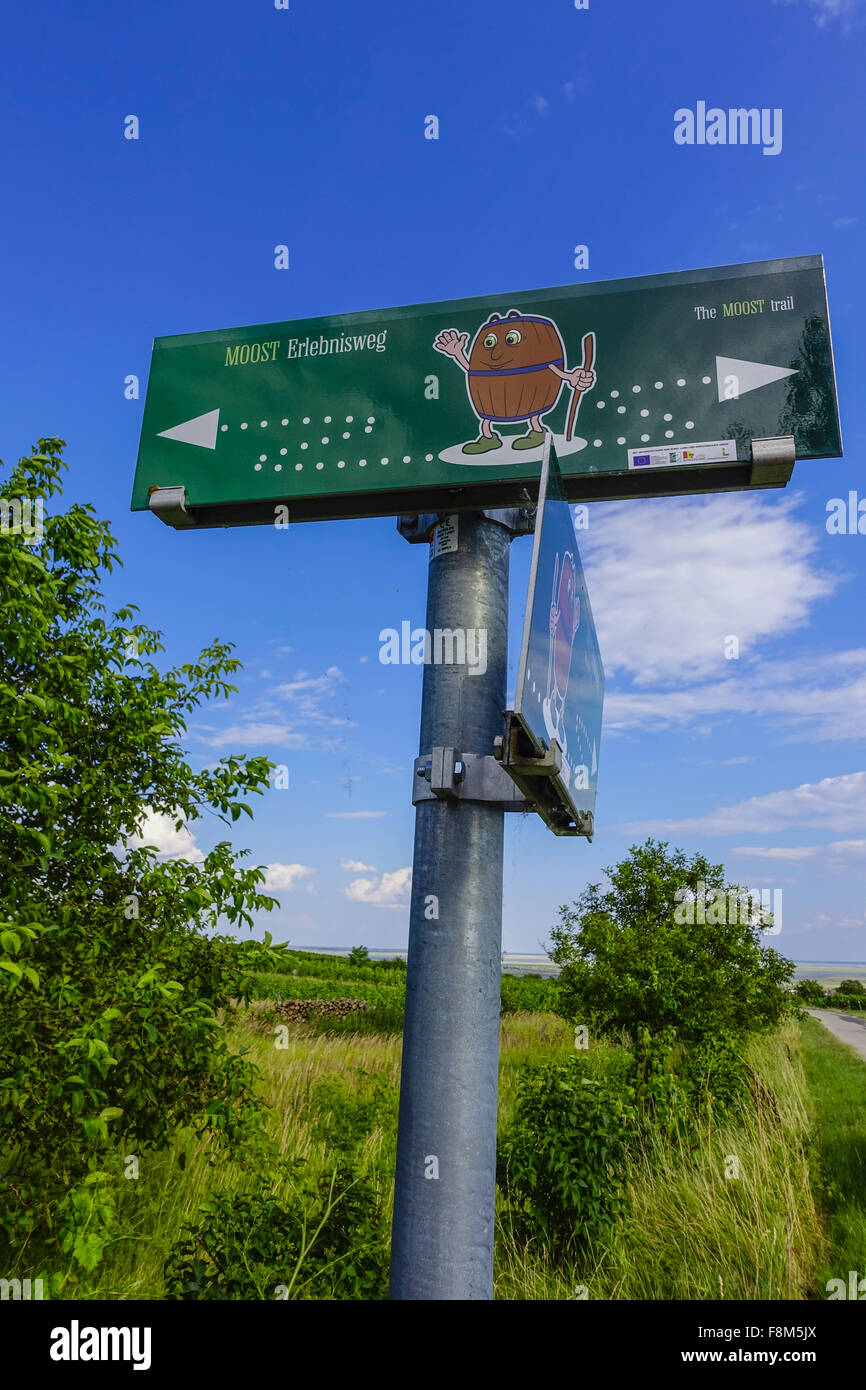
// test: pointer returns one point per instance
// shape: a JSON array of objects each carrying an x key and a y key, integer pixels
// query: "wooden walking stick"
[{"x": 588, "y": 358}]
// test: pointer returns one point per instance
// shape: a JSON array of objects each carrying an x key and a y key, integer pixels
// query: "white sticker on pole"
[
  {"x": 670, "y": 456},
  {"x": 444, "y": 539}
]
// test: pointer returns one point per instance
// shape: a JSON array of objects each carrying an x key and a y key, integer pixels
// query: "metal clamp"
[
  {"x": 446, "y": 775},
  {"x": 539, "y": 775},
  {"x": 169, "y": 504},
  {"x": 518, "y": 521},
  {"x": 773, "y": 460}
]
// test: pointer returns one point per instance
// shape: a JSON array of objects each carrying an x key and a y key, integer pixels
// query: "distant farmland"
[{"x": 829, "y": 973}]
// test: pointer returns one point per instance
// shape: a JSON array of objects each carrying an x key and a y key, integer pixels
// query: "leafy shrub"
[
  {"x": 716, "y": 1071},
  {"x": 347, "y": 1114},
  {"x": 811, "y": 993},
  {"x": 847, "y": 1001},
  {"x": 560, "y": 1163},
  {"x": 656, "y": 1071},
  {"x": 528, "y": 994},
  {"x": 391, "y": 963},
  {"x": 111, "y": 983},
  {"x": 327, "y": 1240}
]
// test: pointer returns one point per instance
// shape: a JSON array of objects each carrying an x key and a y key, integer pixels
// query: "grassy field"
[
  {"x": 693, "y": 1233},
  {"x": 830, "y": 974},
  {"x": 690, "y": 1232},
  {"x": 766, "y": 1200},
  {"x": 837, "y": 1084}
]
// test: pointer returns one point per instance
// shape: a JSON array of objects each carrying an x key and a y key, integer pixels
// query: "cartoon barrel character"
[
  {"x": 514, "y": 373},
  {"x": 509, "y": 379}
]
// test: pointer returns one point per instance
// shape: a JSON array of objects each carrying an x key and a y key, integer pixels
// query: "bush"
[
  {"x": 392, "y": 963},
  {"x": 560, "y": 1163},
  {"x": 328, "y": 1240},
  {"x": 347, "y": 1114},
  {"x": 715, "y": 1071},
  {"x": 811, "y": 993},
  {"x": 848, "y": 1001},
  {"x": 112, "y": 984},
  {"x": 528, "y": 994}
]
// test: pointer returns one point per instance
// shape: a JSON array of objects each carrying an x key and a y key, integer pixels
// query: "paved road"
[{"x": 848, "y": 1028}]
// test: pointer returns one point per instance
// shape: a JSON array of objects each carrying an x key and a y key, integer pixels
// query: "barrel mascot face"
[
  {"x": 508, "y": 376},
  {"x": 567, "y": 610}
]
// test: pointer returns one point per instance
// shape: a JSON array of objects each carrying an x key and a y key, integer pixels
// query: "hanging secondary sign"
[
  {"x": 650, "y": 386},
  {"x": 553, "y": 734}
]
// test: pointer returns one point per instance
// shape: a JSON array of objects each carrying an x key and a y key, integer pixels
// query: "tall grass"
[
  {"x": 691, "y": 1233},
  {"x": 837, "y": 1081}
]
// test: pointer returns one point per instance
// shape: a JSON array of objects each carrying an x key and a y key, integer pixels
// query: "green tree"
[
  {"x": 111, "y": 976},
  {"x": 852, "y": 987},
  {"x": 359, "y": 955},
  {"x": 811, "y": 993},
  {"x": 668, "y": 947}
]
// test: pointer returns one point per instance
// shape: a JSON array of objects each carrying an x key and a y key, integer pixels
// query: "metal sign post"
[{"x": 442, "y": 1244}]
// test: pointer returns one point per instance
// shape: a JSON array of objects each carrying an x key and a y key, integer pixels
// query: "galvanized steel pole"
[{"x": 442, "y": 1243}]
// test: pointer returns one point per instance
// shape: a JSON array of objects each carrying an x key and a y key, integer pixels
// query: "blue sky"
[{"x": 305, "y": 126}]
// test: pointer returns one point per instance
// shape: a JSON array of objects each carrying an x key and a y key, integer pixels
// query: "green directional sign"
[{"x": 649, "y": 386}]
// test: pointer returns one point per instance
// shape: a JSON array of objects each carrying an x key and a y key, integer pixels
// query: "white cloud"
[
  {"x": 391, "y": 890},
  {"x": 821, "y": 697},
  {"x": 844, "y": 222},
  {"x": 355, "y": 815},
  {"x": 825, "y": 11},
  {"x": 355, "y": 866},
  {"x": 672, "y": 578},
  {"x": 304, "y": 684},
  {"x": 255, "y": 736},
  {"x": 159, "y": 831},
  {"x": 837, "y": 855},
  {"x": 541, "y": 104},
  {"x": 282, "y": 878},
  {"x": 835, "y": 803},
  {"x": 306, "y": 693},
  {"x": 790, "y": 856}
]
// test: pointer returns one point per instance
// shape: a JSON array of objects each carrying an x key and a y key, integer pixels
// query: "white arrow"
[
  {"x": 201, "y": 430},
  {"x": 749, "y": 376}
]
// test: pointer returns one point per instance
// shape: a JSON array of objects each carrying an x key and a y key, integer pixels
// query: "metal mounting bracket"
[
  {"x": 446, "y": 775},
  {"x": 518, "y": 521},
  {"x": 773, "y": 460},
  {"x": 539, "y": 776},
  {"x": 169, "y": 504}
]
